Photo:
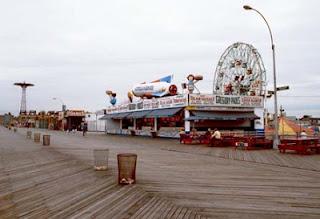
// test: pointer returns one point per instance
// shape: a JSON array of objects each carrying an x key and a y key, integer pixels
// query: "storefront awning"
[
  {"x": 105, "y": 117},
  {"x": 163, "y": 112},
  {"x": 115, "y": 116},
  {"x": 144, "y": 113},
  {"x": 206, "y": 115},
  {"x": 139, "y": 114}
]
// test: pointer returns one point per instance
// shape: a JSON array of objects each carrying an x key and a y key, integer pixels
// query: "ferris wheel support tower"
[{"x": 24, "y": 86}]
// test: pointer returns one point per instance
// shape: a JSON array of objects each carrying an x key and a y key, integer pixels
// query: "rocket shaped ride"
[{"x": 158, "y": 88}]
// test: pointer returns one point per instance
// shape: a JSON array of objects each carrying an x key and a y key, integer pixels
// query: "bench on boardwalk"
[
  {"x": 304, "y": 146},
  {"x": 225, "y": 141},
  {"x": 189, "y": 139},
  {"x": 253, "y": 143}
]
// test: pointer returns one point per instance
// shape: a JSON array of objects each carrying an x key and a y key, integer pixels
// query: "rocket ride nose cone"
[{"x": 173, "y": 89}]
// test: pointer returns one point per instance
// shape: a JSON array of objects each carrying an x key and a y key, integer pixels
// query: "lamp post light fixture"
[{"x": 276, "y": 123}]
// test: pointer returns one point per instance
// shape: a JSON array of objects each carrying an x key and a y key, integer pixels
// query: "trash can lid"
[
  {"x": 127, "y": 155},
  {"x": 101, "y": 149}
]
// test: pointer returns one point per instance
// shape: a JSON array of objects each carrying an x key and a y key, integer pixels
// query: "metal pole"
[
  {"x": 134, "y": 124},
  {"x": 155, "y": 128},
  {"x": 186, "y": 122},
  {"x": 276, "y": 123},
  {"x": 23, "y": 106},
  {"x": 62, "y": 103},
  {"x": 300, "y": 127},
  {"x": 96, "y": 122}
]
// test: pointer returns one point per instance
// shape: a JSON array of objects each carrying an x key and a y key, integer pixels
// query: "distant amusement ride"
[
  {"x": 158, "y": 88},
  {"x": 240, "y": 71}
]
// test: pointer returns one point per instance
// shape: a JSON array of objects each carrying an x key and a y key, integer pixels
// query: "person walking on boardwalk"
[{"x": 84, "y": 129}]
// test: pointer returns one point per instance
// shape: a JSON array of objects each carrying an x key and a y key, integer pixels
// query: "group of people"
[
  {"x": 212, "y": 134},
  {"x": 215, "y": 134},
  {"x": 83, "y": 127}
]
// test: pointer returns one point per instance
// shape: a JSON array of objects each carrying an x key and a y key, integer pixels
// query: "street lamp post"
[
  {"x": 276, "y": 124},
  {"x": 96, "y": 121},
  {"x": 63, "y": 105}
]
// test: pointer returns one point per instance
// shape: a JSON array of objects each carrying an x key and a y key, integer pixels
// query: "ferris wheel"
[{"x": 240, "y": 71}]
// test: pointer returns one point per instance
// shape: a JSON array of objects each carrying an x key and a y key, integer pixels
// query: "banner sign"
[
  {"x": 75, "y": 113},
  {"x": 173, "y": 101},
  {"x": 225, "y": 100},
  {"x": 147, "y": 104},
  {"x": 201, "y": 99},
  {"x": 252, "y": 101},
  {"x": 196, "y": 100}
]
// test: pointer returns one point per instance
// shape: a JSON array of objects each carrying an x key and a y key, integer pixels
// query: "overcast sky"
[{"x": 75, "y": 50}]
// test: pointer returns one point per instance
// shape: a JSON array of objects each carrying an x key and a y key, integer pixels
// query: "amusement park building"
[
  {"x": 236, "y": 103},
  {"x": 69, "y": 119},
  {"x": 166, "y": 116}
]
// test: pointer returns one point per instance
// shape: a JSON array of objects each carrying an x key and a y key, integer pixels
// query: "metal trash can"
[
  {"x": 154, "y": 134},
  {"x": 36, "y": 137},
  {"x": 133, "y": 132},
  {"x": 100, "y": 159},
  {"x": 29, "y": 134},
  {"x": 46, "y": 140},
  {"x": 127, "y": 168}
]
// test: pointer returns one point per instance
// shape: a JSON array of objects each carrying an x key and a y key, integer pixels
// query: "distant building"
[
  {"x": 315, "y": 121},
  {"x": 6, "y": 119},
  {"x": 94, "y": 121},
  {"x": 292, "y": 118},
  {"x": 72, "y": 119},
  {"x": 309, "y": 120}
]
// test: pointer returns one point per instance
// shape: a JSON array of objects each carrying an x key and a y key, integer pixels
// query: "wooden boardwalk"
[
  {"x": 269, "y": 157},
  {"x": 174, "y": 181},
  {"x": 37, "y": 182}
]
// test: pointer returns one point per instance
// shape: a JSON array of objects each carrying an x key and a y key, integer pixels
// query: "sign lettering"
[{"x": 195, "y": 100}]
